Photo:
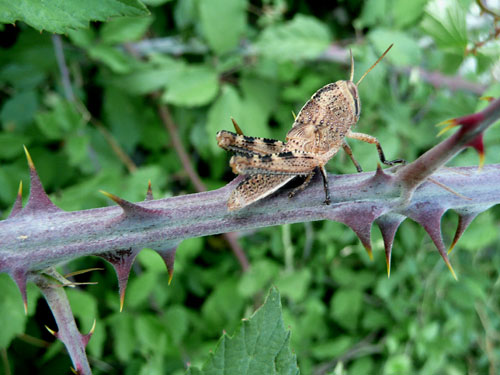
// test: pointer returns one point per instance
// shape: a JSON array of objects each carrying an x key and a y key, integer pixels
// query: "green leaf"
[
  {"x": 124, "y": 339},
  {"x": 19, "y": 110},
  {"x": 261, "y": 345},
  {"x": 11, "y": 311},
  {"x": 115, "y": 59},
  {"x": 227, "y": 105},
  {"x": 11, "y": 145},
  {"x": 346, "y": 306},
  {"x": 195, "y": 85},
  {"x": 302, "y": 38},
  {"x": 445, "y": 22},
  {"x": 405, "y": 50},
  {"x": 125, "y": 29},
  {"x": 151, "y": 78},
  {"x": 61, "y": 16},
  {"x": 223, "y": 23},
  {"x": 60, "y": 121}
]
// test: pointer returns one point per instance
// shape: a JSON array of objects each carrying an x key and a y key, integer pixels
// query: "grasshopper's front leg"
[{"x": 369, "y": 139}]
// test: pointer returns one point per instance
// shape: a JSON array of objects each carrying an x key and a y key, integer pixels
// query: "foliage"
[{"x": 257, "y": 62}]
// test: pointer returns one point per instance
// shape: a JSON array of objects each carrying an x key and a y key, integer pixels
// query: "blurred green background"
[{"x": 98, "y": 126}]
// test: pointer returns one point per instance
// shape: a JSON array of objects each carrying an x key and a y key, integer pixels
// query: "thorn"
[
  {"x": 481, "y": 161},
  {"x": 130, "y": 210},
  {"x": 28, "y": 157},
  {"x": 122, "y": 261},
  {"x": 38, "y": 199},
  {"x": 487, "y": 98},
  {"x": 149, "y": 193},
  {"x": 450, "y": 125},
  {"x": 236, "y": 127},
  {"x": 388, "y": 225},
  {"x": 18, "y": 204},
  {"x": 294, "y": 116},
  {"x": 168, "y": 256},
  {"x": 388, "y": 264},
  {"x": 464, "y": 221},
  {"x": 450, "y": 267},
  {"x": 52, "y": 332},
  {"x": 73, "y": 371},
  {"x": 20, "y": 277},
  {"x": 370, "y": 252},
  {"x": 86, "y": 338}
]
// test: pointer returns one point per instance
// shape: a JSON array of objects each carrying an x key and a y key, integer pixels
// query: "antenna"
[
  {"x": 373, "y": 66},
  {"x": 352, "y": 65}
]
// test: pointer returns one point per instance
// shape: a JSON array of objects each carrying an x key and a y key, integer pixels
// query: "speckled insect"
[{"x": 318, "y": 132}]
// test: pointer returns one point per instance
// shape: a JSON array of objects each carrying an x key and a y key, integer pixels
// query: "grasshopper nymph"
[{"x": 318, "y": 132}]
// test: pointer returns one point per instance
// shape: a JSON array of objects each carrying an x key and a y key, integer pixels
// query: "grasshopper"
[{"x": 317, "y": 134}]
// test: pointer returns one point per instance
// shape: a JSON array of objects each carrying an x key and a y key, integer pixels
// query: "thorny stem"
[
  {"x": 413, "y": 174},
  {"x": 67, "y": 330},
  {"x": 171, "y": 128}
]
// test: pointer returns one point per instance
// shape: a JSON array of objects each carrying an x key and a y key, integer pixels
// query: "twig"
[
  {"x": 171, "y": 128},
  {"x": 67, "y": 331}
]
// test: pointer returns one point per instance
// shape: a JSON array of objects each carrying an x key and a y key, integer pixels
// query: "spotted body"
[{"x": 317, "y": 134}]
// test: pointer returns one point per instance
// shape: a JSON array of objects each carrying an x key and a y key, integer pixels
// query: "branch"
[{"x": 67, "y": 332}]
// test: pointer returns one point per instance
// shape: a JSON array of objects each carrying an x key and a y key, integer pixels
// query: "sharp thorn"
[
  {"x": 236, "y": 127},
  {"x": 18, "y": 204},
  {"x": 28, "y": 157},
  {"x": 52, "y": 332},
  {"x": 149, "y": 193},
  {"x": 444, "y": 130},
  {"x": 92, "y": 329},
  {"x": 481, "y": 161},
  {"x": 294, "y": 116},
  {"x": 370, "y": 252},
  {"x": 131, "y": 210},
  {"x": 388, "y": 263},
  {"x": 122, "y": 299},
  {"x": 450, "y": 267},
  {"x": 487, "y": 98}
]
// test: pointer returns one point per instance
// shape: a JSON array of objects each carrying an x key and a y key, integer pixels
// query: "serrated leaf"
[
  {"x": 302, "y": 38},
  {"x": 445, "y": 22},
  {"x": 61, "y": 16},
  {"x": 195, "y": 85},
  {"x": 260, "y": 346},
  {"x": 223, "y": 23}
]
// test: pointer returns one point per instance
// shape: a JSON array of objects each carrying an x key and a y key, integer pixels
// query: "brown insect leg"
[
  {"x": 247, "y": 145},
  {"x": 348, "y": 151},
  {"x": 369, "y": 139},
  {"x": 302, "y": 186},
  {"x": 286, "y": 163},
  {"x": 325, "y": 184}
]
